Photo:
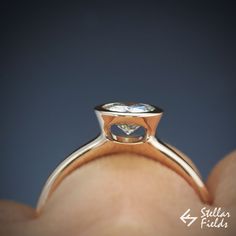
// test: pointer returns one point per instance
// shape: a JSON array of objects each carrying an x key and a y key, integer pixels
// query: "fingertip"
[{"x": 221, "y": 181}]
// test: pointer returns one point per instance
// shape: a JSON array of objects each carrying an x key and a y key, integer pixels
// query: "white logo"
[
  {"x": 210, "y": 218},
  {"x": 186, "y": 216},
  {"x": 216, "y": 218}
]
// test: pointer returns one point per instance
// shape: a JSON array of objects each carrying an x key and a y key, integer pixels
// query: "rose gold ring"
[{"x": 126, "y": 127}]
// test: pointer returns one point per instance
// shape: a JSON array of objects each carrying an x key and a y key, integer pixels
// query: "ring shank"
[{"x": 102, "y": 146}]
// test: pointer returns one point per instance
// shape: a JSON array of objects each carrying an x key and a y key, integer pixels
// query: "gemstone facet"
[{"x": 128, "y": 128}]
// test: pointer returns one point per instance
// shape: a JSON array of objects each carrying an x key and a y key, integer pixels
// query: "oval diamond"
[{"x": 134, "y": 108}]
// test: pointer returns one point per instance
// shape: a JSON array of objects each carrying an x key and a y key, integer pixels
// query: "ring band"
[{"x": 126, "y": 127}]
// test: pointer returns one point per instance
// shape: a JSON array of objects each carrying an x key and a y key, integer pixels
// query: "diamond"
[
  {"x": 134, "y": 108},
  {"x": 128, "y": 128}
]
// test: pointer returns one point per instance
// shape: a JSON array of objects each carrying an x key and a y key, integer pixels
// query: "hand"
[{"x": 125, "y": 194}]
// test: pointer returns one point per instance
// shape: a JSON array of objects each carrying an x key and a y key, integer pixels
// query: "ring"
[{"x": 130, "y": 128}]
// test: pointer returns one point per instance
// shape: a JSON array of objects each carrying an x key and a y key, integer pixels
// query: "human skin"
[{"x": 126, "y": 195}]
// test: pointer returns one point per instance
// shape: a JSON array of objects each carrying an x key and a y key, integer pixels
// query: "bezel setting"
[{"x": 128, "y": 117}]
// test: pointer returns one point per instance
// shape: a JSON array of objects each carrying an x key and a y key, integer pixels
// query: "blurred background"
[{"x": 59, "y": 60}]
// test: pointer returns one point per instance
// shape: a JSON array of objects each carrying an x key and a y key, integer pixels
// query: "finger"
[
  {"x": 15, "y": 219},
  {"x": 14, "y": 212},
  {"x": 221, "y": 181},
  {"x": 120, "y": 187}
]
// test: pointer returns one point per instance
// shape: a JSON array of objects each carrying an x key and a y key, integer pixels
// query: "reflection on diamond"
[
  {"x": 118, "y": 107},
  {"x": 134, "y": 108},
  {"x": 128, "y": 128},
  {"x": 140, "y": 107}
]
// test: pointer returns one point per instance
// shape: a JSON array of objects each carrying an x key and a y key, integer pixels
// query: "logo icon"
[{"x": 187, "y": 219}]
